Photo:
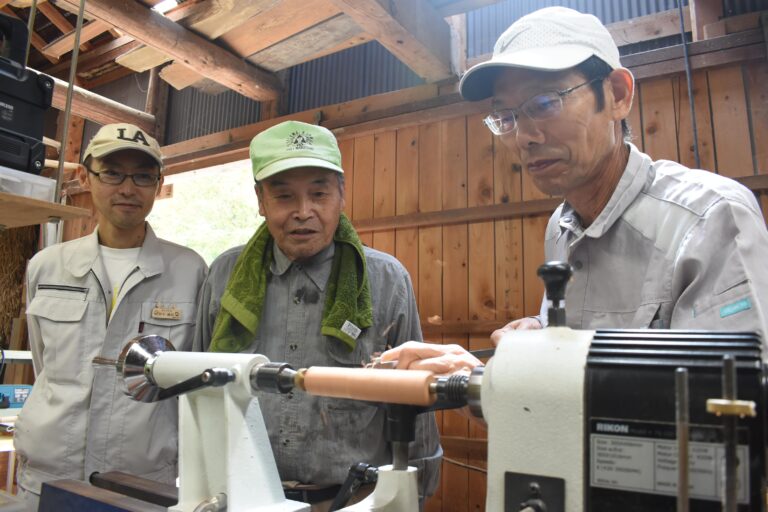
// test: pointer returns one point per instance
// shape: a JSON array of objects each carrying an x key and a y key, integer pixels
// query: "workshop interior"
[{"x": 446, "y": 215}]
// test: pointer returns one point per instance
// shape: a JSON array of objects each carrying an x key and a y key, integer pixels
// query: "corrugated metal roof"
[
  {"x": 486, "y": 24},
  {"x": 354, "y": 73},
  {"x": 192, "y": 113},
  {"x": 736, "y": 7}
]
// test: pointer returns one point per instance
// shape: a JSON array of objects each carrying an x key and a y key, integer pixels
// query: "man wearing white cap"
[
  {"x": 87, "y": 298},
  {"x": 653, "y": 244}
]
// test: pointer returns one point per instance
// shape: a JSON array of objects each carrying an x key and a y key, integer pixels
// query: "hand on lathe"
[
  {"x": 528, "y": 322},
  {"x": 439, "y": 359}
]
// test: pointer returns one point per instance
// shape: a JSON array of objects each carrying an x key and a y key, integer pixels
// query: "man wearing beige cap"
[
  {"x": 652, "y": 244},
  {"x": 87, "y": 298},
  {"x": 305, "y": 291}
]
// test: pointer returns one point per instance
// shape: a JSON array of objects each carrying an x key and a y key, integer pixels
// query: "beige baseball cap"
[
  {"x": 121, "y": 136},
  {"x": 293, "y": 144},
  {"x": 550, "y": 39}
]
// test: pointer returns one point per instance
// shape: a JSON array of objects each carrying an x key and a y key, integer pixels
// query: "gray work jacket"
[
  {"x": 674, "y": 248},
  {"x": 77, "y": 420},
  {"x": 316, "y": 439}
]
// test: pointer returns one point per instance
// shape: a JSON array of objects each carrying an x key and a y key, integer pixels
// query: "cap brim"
[
  {"x": 108, "y": 149},
  {"x": 477, "y": 82},
  {"x": 294, "y": 163}
]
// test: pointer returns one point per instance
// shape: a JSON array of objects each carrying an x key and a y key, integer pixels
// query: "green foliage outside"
[{"x": 211, "y": 210}]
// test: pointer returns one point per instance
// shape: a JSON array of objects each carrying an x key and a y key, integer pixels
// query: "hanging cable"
[
  {"x": 689, "y": 79},
  {"x": 30, "y": 29},
  {"x": 68, "y": 103}
]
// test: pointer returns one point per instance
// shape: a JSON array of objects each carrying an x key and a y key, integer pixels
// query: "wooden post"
[
  {"x": 704, "y": 12},
  {"x": 157, "y": 103}
]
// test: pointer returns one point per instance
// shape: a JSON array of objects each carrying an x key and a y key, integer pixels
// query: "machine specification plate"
[{"x": 642, "y": 457}]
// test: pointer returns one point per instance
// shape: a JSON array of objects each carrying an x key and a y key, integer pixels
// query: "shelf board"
[{"x": 17, "y": 211}]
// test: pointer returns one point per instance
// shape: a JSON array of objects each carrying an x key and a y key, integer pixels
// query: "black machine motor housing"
[
  {"x": 630, "y": 413},
  {"x": 24, "y": 97}
]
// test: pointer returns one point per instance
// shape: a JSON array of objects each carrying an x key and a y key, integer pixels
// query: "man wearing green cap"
[
  {"x": 305, "y": 291},
  {"x": 87, "y": 298}
]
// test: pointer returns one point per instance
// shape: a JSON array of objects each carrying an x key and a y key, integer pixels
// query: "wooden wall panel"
[
  {"x": 703, "y": 121},
  {"x": 730, "y": 122},
  {"x": 347, "y": 148},
  {"x": 659, "y": 120},
  {"x": 757, "y": 85},
  {"x": 455, "y": 294},
  {"x": 362, "y": 207},
  {"x": 635, "y": 120},
  {"x": 407, "y": 200},
  {"x": 384, "y": 183}
]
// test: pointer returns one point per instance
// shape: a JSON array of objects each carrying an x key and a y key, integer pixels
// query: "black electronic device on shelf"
[{"x": 25, "y": 95}]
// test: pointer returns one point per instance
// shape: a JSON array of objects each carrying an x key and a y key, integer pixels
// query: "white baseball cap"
[
  {"x": 121, "y": 136},
  {"x": 550, "y": 39}
]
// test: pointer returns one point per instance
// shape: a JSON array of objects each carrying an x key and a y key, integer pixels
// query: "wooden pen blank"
[{"x": 410, "y": 387}]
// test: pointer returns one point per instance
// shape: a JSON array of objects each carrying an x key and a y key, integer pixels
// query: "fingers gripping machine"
[{"x": 577, "y": 420}]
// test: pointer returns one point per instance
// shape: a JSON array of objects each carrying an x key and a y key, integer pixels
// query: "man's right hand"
[
  {"x": 528, "y": 322},
  {"x": 440, "y": 359}
]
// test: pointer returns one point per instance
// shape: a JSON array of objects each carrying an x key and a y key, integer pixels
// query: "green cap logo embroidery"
[{"x": 299, "y": 140}]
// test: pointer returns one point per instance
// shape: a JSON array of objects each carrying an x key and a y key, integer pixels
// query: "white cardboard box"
[{"x": 26, "y": 184}]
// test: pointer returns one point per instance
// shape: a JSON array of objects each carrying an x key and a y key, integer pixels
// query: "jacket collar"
[
  {"x": 317, "y": 268},
  {"x": 633, "y": 181},
  {"x": 82, "y": 255}
]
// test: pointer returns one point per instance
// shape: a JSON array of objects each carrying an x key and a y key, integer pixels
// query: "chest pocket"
[
  {"x": 174, "y": 321},
  {"x": 59, "y": 313}
]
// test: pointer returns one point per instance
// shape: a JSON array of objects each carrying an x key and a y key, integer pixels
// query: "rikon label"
[{"x": 642, "y": 457}]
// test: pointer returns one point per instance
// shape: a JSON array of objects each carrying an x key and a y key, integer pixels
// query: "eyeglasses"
[
  {"x": 140, "y": 179},
  {"x": 540, "y": 107}
]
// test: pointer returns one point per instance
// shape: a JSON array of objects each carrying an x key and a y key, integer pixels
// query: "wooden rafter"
[
  {"x": 65, "y": 43},
  {"x": 193, "y": 51},
  {"x": 59, "y": 21},
  {"x": 412, "y": 31}
]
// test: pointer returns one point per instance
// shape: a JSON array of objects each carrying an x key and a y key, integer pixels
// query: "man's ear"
[
  {"x": 622, "y": 86},
  {"x": 260, "y": 198},
  {"x": 83, "y": 178}
]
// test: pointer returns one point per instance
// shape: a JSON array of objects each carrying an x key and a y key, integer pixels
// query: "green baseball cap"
[{"x": 293, "y": 144}]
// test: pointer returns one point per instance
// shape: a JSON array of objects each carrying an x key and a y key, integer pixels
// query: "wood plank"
[
  {"x": 704, "y": 12},
  {"x": 730, "y": 122},
  {"x": 757, "y": 84},
  {"x": 430, "y": 246},
  {"x": 652, "y": 26},
  {"x": 300, "y": 47},
  {"x": 362, "y": 191},
  {"x": 732, "y": 24},
  {"x": 17, "y": 211},
  {"x": 455, "y": 289},
  {"x": 407, "y": 199},
  {"x": 384, "y": 187},
  {"x": 476, "y": 448},
  {"x": 196, "y": 52},
  {"x": 659, "y": 122},
  {"x": 703, "y": 121},
  {"x": 755, "y": 183},
  {"x": 412, "y": 31},
  {"x": 347, "y": 148},
  {"x": 156, "y": 104},
  {"x": 98, "y": 108},
  {"x": 144, "y": 58},
  {"x": 477, "y": 329},
  {"x": 98, "y": 79},
  {"x": 59, "y": 21},
  {"x": 180, "y": 77},
  {"x": 348, "y": 111},
  {"x": 76, "y": 228},
  {"x": 725, "y": 57},
  {"x": 482, "y": 289},
  {"x": 65, "y": 43},
  {"x": 97, "y": 57},
  {"x": 353, "y": 41},
  {"x": 462, "y": 6},
  {"x": 500, "y": 211},
  {"x": 276, "y": 24},
  {"x": 508, "y": 233}
]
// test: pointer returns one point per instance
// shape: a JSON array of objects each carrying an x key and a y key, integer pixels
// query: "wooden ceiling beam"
[
  {"x": 414, "y": 32},
  {"x": 99, "y": 109},
  {"x": 59, "y": 21},
  {"x": 192, "y": 50},
  {"x": 65, "y": 43}
]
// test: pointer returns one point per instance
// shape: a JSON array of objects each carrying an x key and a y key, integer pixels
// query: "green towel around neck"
[{"x": 347, "y": 293}]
